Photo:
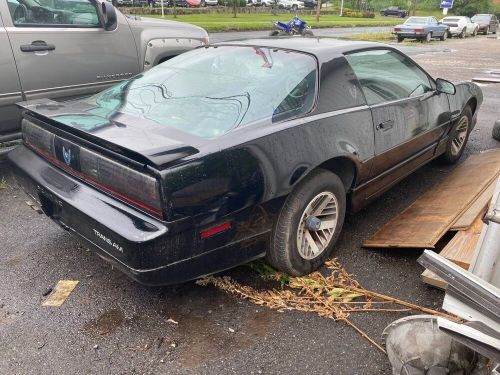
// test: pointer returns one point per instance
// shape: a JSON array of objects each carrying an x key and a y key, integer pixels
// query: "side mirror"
[
  {"x": 445, "y": 86},
  {"x": 109, "y": 15}
]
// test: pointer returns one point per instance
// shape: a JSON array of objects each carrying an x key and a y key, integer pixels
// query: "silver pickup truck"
[{"x": 63, "y": 49}]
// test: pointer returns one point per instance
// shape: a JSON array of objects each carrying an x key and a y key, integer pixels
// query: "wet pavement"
[{"x": 111, "y": 325}]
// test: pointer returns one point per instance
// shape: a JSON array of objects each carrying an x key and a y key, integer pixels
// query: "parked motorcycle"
[{"x": 296, "y": 26}]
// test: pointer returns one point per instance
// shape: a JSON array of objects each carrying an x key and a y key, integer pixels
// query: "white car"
[
  {"x": 460, "y": 26},
  {"x": 291, "y": 4}
]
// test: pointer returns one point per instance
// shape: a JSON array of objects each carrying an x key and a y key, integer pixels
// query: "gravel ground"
[{"x": 111, "y": 325}]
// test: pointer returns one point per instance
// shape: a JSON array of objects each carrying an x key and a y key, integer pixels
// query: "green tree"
[{"x": 470, "y": 7}]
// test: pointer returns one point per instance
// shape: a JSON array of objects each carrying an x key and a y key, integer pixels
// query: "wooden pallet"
[{"x": 424, "y": 222}]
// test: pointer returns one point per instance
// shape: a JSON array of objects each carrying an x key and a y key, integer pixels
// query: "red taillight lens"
[
  {"x": 397, "y": 29},
  {"x": 419, "y": 30},
  {"x": 214, "y": 230},
  {"x": 125, "y": 183}
]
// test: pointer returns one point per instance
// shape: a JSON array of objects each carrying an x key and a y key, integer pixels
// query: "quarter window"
[
  {"x": 387, "y": 76},
  {"x": 53, "y": 13}
]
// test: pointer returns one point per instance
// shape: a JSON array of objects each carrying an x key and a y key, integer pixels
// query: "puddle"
[
  {"x": 106, "y": 323},
  {"x": 207, "y": 338}
]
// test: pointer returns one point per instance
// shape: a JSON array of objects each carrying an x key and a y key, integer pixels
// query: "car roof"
[{"x": 323, "y": 48}]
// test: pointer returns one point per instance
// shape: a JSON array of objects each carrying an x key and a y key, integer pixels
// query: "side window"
[
  {"x": 339, "y": 87},
  {"x": 433, "y": 21},
  {"x": 53, "y": 13},
  {"x": 386, "y": 76}
]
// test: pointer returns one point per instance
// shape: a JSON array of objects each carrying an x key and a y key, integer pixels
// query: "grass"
[
  {"x": 226, "y": 22},
  {"x": 373, "y": 37},
  {"x": 3, "y": 183}
]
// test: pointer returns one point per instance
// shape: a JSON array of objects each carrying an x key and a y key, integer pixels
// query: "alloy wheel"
[
  {"x": 317, "y": 225},
  {"x": 460, "y": 136}
]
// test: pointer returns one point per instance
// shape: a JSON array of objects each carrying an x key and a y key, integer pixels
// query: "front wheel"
[
  {"x": 309, "y": 224},
  {"x": 462, "y": 34},
  {"x": 428, "y": 37},
  {"x": 294, "y": 8},
  {"x": 307, "y": 33},
  {"x": 474, "y": 33},
  {"x": 443, "y": 37},
  {"x": 459, "y": 135}
]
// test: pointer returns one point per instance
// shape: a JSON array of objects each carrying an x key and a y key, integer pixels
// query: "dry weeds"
[{"x": 335, "y": 296}]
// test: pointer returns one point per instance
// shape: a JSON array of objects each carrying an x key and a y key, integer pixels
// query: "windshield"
[
  {"x": 416, "y": 20},
  {"x": 208, "y": 91},
  {"x": 481, "y": 18}
]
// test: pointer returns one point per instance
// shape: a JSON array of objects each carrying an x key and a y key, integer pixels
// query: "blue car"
[{"x": 421, "y": 28}]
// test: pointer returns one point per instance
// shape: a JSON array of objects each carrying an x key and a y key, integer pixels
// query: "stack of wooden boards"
[{"x": 456, "y": 204}]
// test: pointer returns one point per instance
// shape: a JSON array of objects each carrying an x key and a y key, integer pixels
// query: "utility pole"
[
  {"x": 414, "y": 7},
  {"x": 318, "y": 10}
]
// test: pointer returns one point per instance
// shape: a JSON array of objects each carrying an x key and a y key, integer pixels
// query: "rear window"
[
  {"x": 481, "y": 18},
  {"x": 451, "y": 20},
  {"x": 416, "y": 20},
  {"x": 209, "y": 91}
]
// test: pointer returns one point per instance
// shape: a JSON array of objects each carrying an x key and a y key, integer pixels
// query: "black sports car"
[{"x": 237, "y": 151}]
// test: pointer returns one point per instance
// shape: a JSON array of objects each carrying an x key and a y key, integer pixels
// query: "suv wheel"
[
  {"x": 459, "y": 135},
  {"x": 309, "y": 224}
]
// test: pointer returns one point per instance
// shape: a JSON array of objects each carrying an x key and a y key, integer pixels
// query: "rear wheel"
[
  {"x": 400, "y": 39},
  {"x": 444, "y": 37},
  {"x": 458, "y": 138},
  {"x": 474, "y": 33},
  {"x": 462, "y": 34},
  {"x": 428, "y": 37},
  {"x": 309, "y": 224}
]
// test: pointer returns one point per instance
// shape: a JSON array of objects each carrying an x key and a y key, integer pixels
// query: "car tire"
[
  {"x": 319, "y": 188},
  {"x": 383, "y": 14},
  {"x": 294, "y": 8},
  {"x": 443, "y": 37},
  {"x": 474, "y": 33},
  {"x": 428, "y": 37},
  {"x": 487, "y": 31},
  {"x": 400, "y": 39},
  {"x": 402, "y": 15},
  {"x": 495, "y": 132},
  {"x": 458, "y": 137},
  {"x": 462, "y": 34}
]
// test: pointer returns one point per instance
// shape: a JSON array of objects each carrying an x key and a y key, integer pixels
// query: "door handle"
[
  {"x": 389, "y": 124},
  {"x": 37, "y": 45}
]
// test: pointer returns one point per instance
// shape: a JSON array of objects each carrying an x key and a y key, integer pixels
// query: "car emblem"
[{"x": 66, "y": 155}]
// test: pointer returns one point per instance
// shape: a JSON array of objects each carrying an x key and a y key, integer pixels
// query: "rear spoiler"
[{"x": 41, "y": 112}]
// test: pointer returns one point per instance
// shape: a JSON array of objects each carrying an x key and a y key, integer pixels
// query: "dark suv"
[
  {"x": 394, "y": 11},
  {"x": 487, "y": 23}
]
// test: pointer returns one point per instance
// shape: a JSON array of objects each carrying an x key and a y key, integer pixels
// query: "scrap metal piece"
[
  {"x": 416, "y": 346},
  {"x": 474, "y": 335},
  {"x": 463, "y": 283}
]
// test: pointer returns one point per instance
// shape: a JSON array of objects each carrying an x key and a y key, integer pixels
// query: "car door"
[
  {"x": 10, "y": 88},
  {"x": 408, "y": 115},
  {"x": 470, "y": 26},
  {"x": 62, "y": 50},
  {"x": 436, "y": 28}
]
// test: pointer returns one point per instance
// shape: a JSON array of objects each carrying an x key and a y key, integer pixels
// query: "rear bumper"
[
  {"x": 411, "y": 35},
  {"x": 150, "y": 251}
]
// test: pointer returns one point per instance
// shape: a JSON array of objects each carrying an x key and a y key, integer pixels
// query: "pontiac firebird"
[{"x": 237, "y": 151}]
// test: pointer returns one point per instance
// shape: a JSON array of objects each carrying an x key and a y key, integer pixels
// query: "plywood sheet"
[
  {"x": 424, "y": 222},
  {"x": 460, "y": 249},
  {"x": 477, "y": 208}
]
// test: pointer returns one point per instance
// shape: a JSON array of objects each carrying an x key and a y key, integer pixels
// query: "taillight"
[
  {"x": 419, "y": 30},
  {"x": 397, "y": 29},
  {"x": 125, "y": 183}
]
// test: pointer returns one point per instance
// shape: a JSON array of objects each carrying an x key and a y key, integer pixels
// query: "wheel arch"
[
  {"x": 472, "y": 103},
  {"x": 344, "y": 167}
]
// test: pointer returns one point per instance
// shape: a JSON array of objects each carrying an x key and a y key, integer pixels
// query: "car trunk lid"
[{"x": 141, "y": 140}]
